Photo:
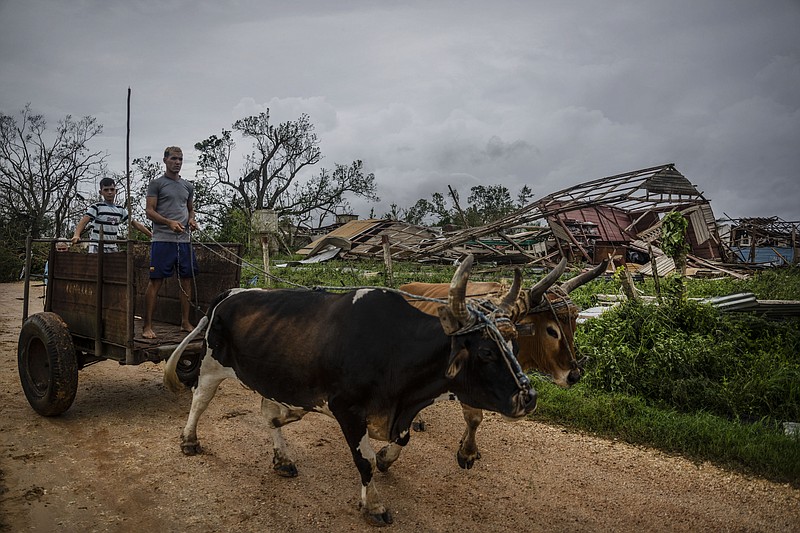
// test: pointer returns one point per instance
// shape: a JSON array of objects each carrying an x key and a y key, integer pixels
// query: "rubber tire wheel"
[
  {"x": 188, "y": 369},
  {"x": 48, "y": 366}
]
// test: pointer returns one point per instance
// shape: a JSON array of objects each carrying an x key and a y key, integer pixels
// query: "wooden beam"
[
  {"x": 572, "y": 238},
  {"x": 454, "y": 196},
  {"x": 516, "y": 246},
  {"x": 716, "y": 267}
]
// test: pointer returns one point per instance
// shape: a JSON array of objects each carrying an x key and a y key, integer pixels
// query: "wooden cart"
[{"x": 92, "y": 309}]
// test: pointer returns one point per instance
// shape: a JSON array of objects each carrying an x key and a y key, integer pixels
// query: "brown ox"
[{"x": 546, "y": 321}]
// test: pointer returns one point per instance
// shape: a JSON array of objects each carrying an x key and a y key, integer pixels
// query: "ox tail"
[{"x": 171, "y": 380}]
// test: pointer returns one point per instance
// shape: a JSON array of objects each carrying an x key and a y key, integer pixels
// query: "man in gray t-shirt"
[
  {"x": 170, "y": 207},
  {"x": 173, "y": 198}
]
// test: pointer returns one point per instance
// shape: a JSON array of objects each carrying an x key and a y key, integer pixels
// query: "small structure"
[
  {"x": 265, "y": 225},
  {"x": 764, "y": 241}
]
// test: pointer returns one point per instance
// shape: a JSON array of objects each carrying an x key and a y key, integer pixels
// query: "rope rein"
[
  {"x": 556, "y": 307},
  {"x": 196, "y": 303},
  {"x": 243, "y": 261},
  {"x": 486, "y": 313}
]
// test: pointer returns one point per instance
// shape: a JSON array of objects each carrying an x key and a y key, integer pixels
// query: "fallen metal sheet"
[
  {"x": 664, "y": 265},
  {"x": 327, "y": 253},
  {"x": 593, "y": 312},
  {"x": 733, "y": 302}
]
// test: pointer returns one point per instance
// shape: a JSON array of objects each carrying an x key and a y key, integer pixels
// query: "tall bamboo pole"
[{"x": 131, "y": 294}]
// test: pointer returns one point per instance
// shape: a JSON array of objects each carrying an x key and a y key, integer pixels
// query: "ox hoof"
[
  {"x": 418, "y": 426},
  {"x": 285, "y": 470},
  {"x": 465, "y": 461},
  {"x": 379, "y": 519},
  {"x": 191, "y": 448}
]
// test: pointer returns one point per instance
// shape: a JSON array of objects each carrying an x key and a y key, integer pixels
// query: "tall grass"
[{"x": 772, "y": 284}]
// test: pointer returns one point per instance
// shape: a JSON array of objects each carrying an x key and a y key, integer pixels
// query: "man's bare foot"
[
  {"x": 148, "y": 333},
  {"x": 187, "y": 326}
]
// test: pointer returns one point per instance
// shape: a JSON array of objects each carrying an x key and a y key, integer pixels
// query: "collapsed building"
[
  {"x": 762, "y": 240},
  {"x": 617, "y": 217}
]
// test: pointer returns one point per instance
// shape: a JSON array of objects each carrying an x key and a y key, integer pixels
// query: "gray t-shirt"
[{"x": 173, "y": 198}]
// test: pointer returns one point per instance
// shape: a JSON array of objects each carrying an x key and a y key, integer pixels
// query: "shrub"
[{"x": 690, "y": 357}]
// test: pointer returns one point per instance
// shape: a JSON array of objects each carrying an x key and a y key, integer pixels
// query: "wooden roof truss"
[{"x": 657, "y": 189}]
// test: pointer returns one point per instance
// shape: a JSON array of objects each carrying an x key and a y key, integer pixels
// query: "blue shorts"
[{"x": 165, "y": 255}]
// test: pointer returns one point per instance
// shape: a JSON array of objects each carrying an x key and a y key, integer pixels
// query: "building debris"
[
  {"x": 744, "y": 302},
  {"x": 762, "y": 241},
  {"x": 617, "y": 217},
  {"x": 362, "y": 238}
]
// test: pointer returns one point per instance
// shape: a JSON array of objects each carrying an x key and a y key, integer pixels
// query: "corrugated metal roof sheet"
[
  {"x": 365, "y": 237},
  {"x": 347, "y": 231},
  {"x": 698, "y": 224},
  {"x": 664, "y": 265},
  {"x": 733, "y": 302},
  {"x": 747, "y": 302}
]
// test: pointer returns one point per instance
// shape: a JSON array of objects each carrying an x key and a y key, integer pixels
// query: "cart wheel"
[
  {"x": 188, "y": 369},
  {"x": 48, "y": 368}
]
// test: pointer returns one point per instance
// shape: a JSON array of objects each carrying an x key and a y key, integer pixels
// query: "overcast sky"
[{"x": 432, "y": 93}]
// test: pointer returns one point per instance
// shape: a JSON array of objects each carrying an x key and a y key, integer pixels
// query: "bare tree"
[
  {"x": 275, "y": 174},
  {"x": 40, "y": 174},
  {"x": 143, "y": 172}
]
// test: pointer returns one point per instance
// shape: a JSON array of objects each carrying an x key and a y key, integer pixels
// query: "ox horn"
[
  {"x": 455, "y": 314},
  {"x": 457, "y": 298},
  {"x": 584, "y": 277},
  {"x": 509, "y": 301},
  {"x": 536, "y": 292}
]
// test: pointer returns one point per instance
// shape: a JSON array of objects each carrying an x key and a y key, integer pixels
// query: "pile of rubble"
[{"x": 617, "y": 216}]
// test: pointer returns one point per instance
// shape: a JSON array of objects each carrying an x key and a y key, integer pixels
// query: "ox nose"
[
  {"x": 528, "y": 399},
  {"x": 574, "y": 376}
]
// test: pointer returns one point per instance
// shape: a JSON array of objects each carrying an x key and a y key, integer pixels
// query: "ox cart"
[{"x": 92, "y": 309}]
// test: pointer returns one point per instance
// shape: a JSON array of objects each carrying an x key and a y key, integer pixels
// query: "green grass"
[
  {"x": 759, "y": 448},
  {"x": 772, "y": 284},
  {"x": 338, "y": 273}
]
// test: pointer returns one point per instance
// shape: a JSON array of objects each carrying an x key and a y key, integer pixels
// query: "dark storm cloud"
[{"x": 431, "y": 94}]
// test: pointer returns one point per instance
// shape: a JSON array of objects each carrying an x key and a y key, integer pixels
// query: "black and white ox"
[
  {"x": 367, "y": 358},
  {"x": 545, "y": 323}
]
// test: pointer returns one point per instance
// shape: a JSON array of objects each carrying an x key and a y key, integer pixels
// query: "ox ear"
[{"x": 458, "y": 356}]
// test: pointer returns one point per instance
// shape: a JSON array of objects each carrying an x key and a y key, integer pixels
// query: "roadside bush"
[{"x": 690, "y": 357}]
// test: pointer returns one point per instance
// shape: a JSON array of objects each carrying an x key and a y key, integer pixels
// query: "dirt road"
[{"x": 113, "y": 463}]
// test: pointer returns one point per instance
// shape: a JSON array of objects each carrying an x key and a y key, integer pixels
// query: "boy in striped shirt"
[{"x": 108, "y": 215}]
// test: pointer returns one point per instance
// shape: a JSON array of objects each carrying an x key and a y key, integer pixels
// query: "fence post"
[
  {"x": 265, "y": 224},
  {"x": 387, "y": 260}
]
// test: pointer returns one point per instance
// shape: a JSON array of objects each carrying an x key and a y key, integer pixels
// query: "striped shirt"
[{"x": 110, "y": 217}]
